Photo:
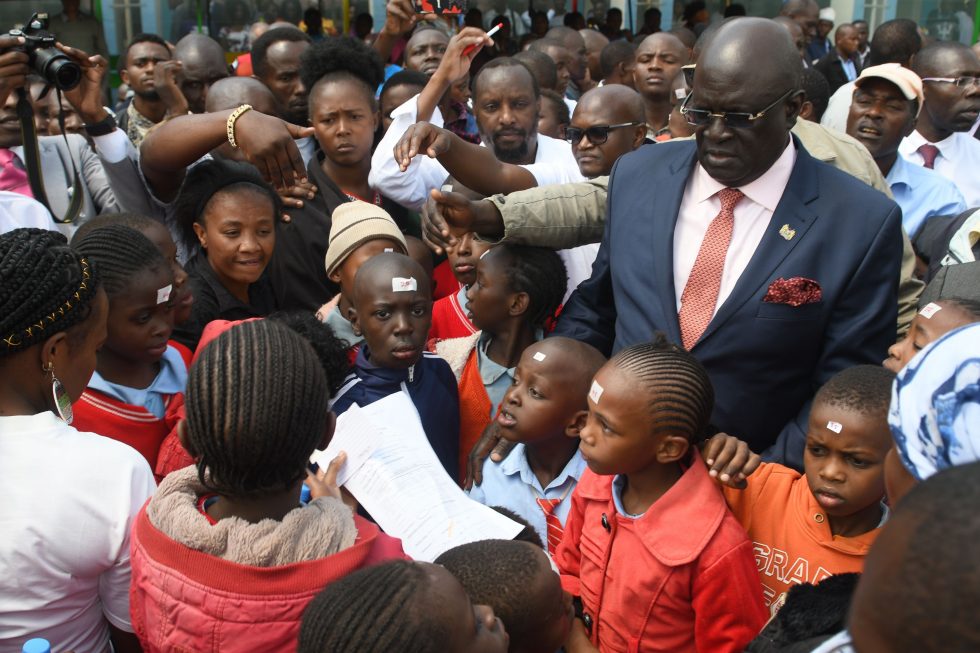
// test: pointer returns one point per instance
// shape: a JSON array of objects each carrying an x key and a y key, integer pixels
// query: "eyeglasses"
[
  {"x": 597, "y": 134},
  {"x": 732, "y": 119},
  {"x": 961, "y": 82}
]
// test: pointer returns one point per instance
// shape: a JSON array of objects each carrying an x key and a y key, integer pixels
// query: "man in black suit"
[
  {"x": 842, "y": 64},
  {"x": 744, "y": 248}
]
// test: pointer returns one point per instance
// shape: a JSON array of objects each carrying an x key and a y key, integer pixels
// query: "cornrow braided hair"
[
  {"x": 45, "y": 288},
  {"x": 121, "y": 253},
  {"x": 132, "y": 220},
  {"x": 257, "y": 407},
  {"x": 539, "y": 272},
  {"x": 681, "y": 394},
  {"x": 374, "y": 609}
]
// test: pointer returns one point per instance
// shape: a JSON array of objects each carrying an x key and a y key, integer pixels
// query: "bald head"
[
  {"x": 202, "y": 64},
  {"x": 379, "y": 271},
  {"x": 573, "y": 359},
  {"x": 233, "y": 92},
  {"x": 614, "y": 103},
  {"x": 942, "y": 58},
  {"x": 575, "y": 44},
  {"x": 755, "y": 51},
  {"x": 594, "y": 43}
]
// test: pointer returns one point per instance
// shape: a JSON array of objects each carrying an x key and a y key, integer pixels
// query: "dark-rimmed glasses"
[
  {"x": 597, "y": 134},
  {"x": 731, "y": 119}
]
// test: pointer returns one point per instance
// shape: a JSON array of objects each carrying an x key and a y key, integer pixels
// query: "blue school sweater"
[{"x": 432, "y": 387}]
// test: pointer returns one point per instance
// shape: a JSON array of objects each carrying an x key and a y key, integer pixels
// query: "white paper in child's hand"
[
  {"x": 403, "y": 284},
  {"x": 163, "y": 295},
  {"x": 836, "y": 427},
  {"x": 539, "y": 356},
  {"x": 929, "y": 310},
  {"x": 595, "y": 392}
]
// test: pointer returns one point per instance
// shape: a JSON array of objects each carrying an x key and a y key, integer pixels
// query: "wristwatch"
[{"x": 105, "y": 126}]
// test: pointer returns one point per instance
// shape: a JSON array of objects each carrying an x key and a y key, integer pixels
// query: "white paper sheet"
[{"x": 393, "y": 472}]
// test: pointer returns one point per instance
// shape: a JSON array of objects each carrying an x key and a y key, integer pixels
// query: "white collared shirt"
[
  {"x": 958, "y": 161},
  {"x": 753, "y": 213}
]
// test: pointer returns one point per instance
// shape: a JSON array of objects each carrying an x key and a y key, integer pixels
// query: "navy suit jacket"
[{"x": 765, "y": 360}]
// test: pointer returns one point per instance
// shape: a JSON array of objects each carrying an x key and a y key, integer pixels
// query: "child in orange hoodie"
[{"x": 807, "y": 527}]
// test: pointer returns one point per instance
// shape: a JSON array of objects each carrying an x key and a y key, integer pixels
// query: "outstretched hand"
[
  {"x": 492, "y": 444},
  {"x": 86, "y": 98},
  {"x": 165, "y": 83},
  {"x": 323, "y": 482},
  {"x": 730, "y": 460},
  {"x": 14, "y": 66},
  {"x": 460, "y": 52},
  {"x": 421, "y": 138},
  {"x": 269, "y": 144}
]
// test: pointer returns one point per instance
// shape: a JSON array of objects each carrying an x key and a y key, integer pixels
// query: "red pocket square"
[{"x": 795, "y": 291}]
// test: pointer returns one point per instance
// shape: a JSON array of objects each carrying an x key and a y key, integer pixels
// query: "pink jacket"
[
  {"x": 186, "y": 601},
  {"x": 680, "y": 578}
]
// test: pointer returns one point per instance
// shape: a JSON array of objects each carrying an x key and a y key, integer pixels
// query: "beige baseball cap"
[{"x": 907, "y": 82}]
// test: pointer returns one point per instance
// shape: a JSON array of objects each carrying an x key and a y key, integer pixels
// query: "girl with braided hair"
[
  {"x": 225, "y": 542},
  {"x": 65, "y": 553},
  {"x": 648, "y": 530},
  {"x": 139, "y": 374},
  {"x": 409, "y": 607},
  {"x": 517, "y": 291}
]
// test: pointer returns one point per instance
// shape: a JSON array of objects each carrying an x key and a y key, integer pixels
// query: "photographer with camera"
[{"x": 58, "y": 157}]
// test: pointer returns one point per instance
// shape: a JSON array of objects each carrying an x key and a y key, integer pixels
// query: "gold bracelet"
[{"x": 232, "y": 119}]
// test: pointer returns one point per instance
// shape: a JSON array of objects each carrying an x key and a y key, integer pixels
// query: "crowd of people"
[{"x": 698, "y": 309}]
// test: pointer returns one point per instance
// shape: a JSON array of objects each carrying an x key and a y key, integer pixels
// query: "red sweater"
[
  {"x": 449, "y": 320},
  {"x": 184, "y": 600},
  {"x": 680, "y": 578}
]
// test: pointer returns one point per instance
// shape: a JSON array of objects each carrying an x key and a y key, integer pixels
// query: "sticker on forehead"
[
  {"x": 389, "y": 250},
  {"x": 539, "y": 356},
  {"x": 929, "y": 310},
  {"x": 163, "y": 295},
  {"x": 404, "y": 284},
  {"x": 836, "y": 427},
  {"x": 595, "y": 392}
]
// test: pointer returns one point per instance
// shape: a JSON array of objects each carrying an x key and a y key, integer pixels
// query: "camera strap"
[{"x": 32, "y": 160}]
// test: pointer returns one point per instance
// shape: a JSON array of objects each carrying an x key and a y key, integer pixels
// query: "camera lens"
[{"x": 55, "y": 67}]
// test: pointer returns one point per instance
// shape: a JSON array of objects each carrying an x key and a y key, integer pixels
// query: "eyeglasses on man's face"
[
  {"x": 731, "y": 119},
  {"x": 597, "y": 134},
  {"x": 961, "y": 82}
]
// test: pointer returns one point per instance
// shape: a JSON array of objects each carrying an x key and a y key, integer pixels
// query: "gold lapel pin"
[{"x": 786, "y": 232}]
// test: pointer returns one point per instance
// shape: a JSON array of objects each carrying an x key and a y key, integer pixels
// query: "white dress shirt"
[
  {"x": 553, "y": 162},
  {"x": 22, "y": 212},
  {"x": 753, "y": 213},
  {"x": 839, "y": 106},
  {"x": 958, "y": 161}
]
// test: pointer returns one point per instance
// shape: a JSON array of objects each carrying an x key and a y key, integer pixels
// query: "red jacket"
[
  {"x": 185, "y": 601},
  {"x": 680, "y": 578},
  {"x": 449, "y": 320}
]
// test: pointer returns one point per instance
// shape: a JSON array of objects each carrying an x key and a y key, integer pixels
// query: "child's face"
[
  {"x": 464, "y": 256},
  {"x": 183, "y": 295},
  {"x": 619, "y": 435},
  {"x": 141, "y": 318},
  {"x": 934, "y": 320},
  {"x": 395, "y": 323},
  {"x": 490, "y": 297},
  {"x": 393, "y": 98},
  {"x": 460, "y": 90},
  {"x": 552, "y": 605},
  {"x": 239, "y": 234},
  {"x": 473, "y": 628},
  {"x": 538, "y": 405},
  {"x": 549, "y": 123},
  {"x": 845, "y": 469},
  {"x": 344, "y": 275}
]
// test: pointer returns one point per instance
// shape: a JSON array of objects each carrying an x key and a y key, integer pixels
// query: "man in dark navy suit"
[{"x": 774, "y": 269}]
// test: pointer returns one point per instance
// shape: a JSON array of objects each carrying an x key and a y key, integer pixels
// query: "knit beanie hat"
[{"x": 355, "y": 223}]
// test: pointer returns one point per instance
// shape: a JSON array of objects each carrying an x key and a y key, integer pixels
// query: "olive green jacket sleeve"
[{"x": 561, "y": 216}]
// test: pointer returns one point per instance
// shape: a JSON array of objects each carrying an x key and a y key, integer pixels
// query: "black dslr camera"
[{"x": 49, "y": 62}]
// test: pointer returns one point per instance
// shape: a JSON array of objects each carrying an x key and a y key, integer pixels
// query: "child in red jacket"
[
  {"x": 226, "y": 544},
  {"x": 450, "y": 317},
  {"x": 131, "y": 395},
  {"x": 650, "y": 547}
]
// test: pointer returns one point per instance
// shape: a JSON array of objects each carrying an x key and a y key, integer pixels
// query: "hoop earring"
[{"x": 62, "y": 402}]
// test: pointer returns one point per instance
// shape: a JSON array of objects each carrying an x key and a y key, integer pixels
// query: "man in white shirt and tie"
[{"x": 950, "y": 75}]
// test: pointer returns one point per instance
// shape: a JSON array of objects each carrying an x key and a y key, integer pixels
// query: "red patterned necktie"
[
  {"x": 700, "y": 295},
  {"x": 13, "y": 177},
  {"x": 929, "y": 154},
  {"x": 555, "y": 529}
]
